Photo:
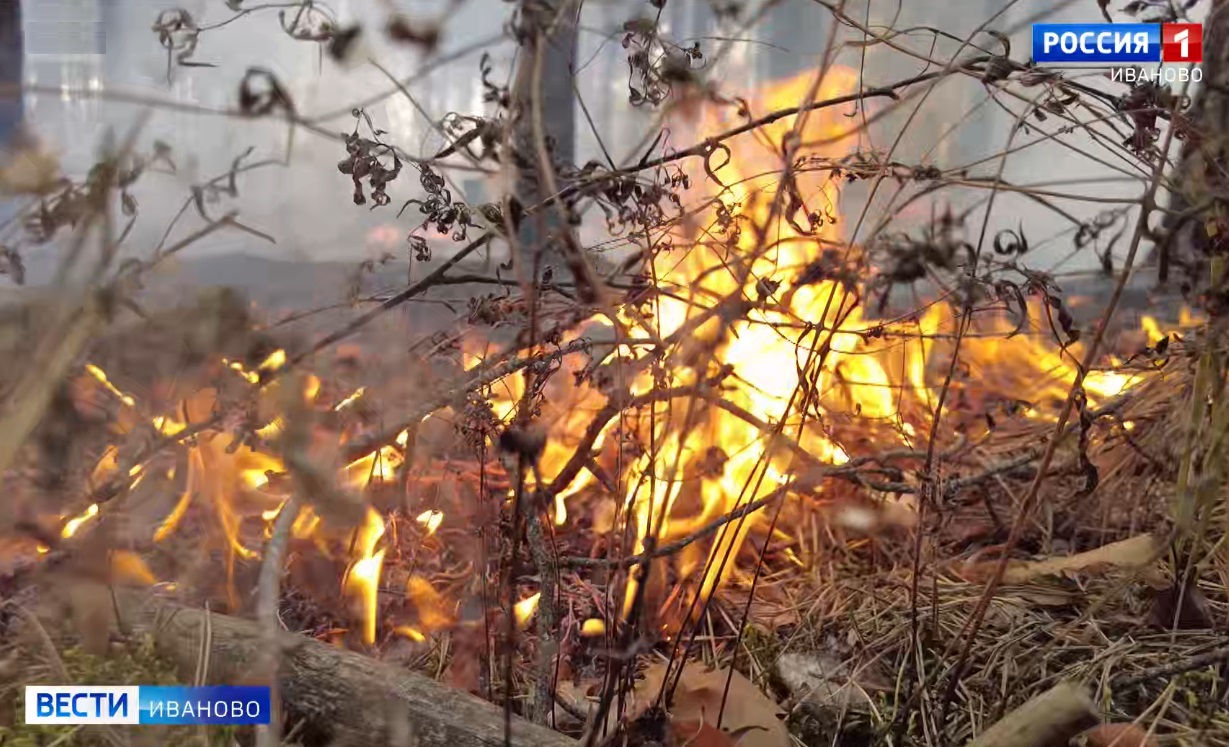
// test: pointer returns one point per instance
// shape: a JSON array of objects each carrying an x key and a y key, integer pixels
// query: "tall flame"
[
  {"x": 787, "y": 332},
  {"x": 737, "y": 303},
  {"x": 363, "y": 579}
]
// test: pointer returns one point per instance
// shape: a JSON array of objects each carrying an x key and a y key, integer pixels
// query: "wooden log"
[
  {"x": 343, "y": 697},
  {"x": 1050, "y": 719}
]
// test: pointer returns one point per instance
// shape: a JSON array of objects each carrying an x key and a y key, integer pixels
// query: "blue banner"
[
  {"x": 218, "y": 705},
  {"x": 1096, "y": 43}
]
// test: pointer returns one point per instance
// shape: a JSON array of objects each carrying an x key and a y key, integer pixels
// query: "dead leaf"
[
  {"x": 1136, "y": 552},
  {"x": 698, "y": 696},
  {"x": 698, "y": 734},
  {"x": 1119, "y": 735},
  {"x": 1187, "y": 609},
  {"x": 768, "y": 610}
]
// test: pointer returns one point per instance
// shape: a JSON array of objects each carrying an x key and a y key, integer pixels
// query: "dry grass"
[{"x": 1103, "y": 626}]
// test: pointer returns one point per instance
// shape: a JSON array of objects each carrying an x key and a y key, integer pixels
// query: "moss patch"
[{"x": 131, "y": 662}]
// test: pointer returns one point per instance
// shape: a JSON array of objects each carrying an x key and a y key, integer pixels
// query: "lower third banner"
[{"x": 217, "y": 705}]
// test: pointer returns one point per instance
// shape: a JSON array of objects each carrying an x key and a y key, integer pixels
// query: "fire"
[
  {"x": 410, "y": 632},
  {"x": 272, "y": 362},
  {"x": 431, "y": 520},
  {"x": 792, "y": 330},
  {"x": 219, "y": 474},
  {"x": 362, "y": 581},
  {"x": 233, "y": 479},
  {"x": 101, "y": 377},
  {"x": 276, "y": 360},
  {"x": 128, "y": 567},
  {"x": 525, "y": 609},
  {"x": 380, "y": 465},
  {"x": 311, "y": 387},
  {"x": 750, "y": 316},
  {"x": 430, "y": 604},
  {"x": 252, "y": 377},
  {"x": 351, "y": 399},
  {"x": 768, "y": 358},
  {"x": 74, "y": 524},
  {"x": 167, "y": 426},
  {"x": 565, "y": 416}
]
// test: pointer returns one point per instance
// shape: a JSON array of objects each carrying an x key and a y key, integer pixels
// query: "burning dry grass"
[
  {"x": 736, "y": 461},
  {"x": 872, "y": 633},
  {"x": 412, "y": 581}
]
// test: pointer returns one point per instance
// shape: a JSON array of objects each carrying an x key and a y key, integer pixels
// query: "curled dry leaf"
[
  {"x": 750, "y": 719},
  {"x": 1135, "y": 552},
  {"x": 698, "y": 734},
  {"x": 1181, "y": 606},
  {"x": 1119, "y": 735}
]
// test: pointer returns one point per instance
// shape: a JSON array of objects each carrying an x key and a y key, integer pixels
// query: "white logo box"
[{"x": 71, "y": 704}]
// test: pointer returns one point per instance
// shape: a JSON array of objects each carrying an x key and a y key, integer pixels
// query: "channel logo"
[
  {"x": 1117, "y": 43},
  {"x": 218, "y": 705}
]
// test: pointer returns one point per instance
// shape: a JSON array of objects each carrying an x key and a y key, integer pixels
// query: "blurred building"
[
  {"x": 79, "y": 51},
  {"x": 65, "y": 49},
  {"x": 690, "y": 20},
  {"x": 795, "y": 33}
]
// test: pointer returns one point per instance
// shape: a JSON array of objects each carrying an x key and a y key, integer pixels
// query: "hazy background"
[{"x": 80, "y": 54}]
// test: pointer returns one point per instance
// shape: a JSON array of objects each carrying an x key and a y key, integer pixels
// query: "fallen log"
[
  {"x": 342, "y": 697},
  {"x": 1050, "y": 719}
]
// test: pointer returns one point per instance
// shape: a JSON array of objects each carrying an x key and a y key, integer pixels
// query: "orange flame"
[
  {"x": 101, "y": 376},
  {"x": 525, "y": 609},
  {"x": 222, "y": 474},
  {"x": 678, "y": 487},
  {"x": 74, "y": 524},
  {"x": 707, "y": 460},
  {"x": 362, "y": 581},
  {"x": 430, "y": 520}
]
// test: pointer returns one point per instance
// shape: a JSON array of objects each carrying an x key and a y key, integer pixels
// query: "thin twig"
[
  {"x": 363, "y": 320},
  {"x": 705, "y": 148},
  {"x": 268, "y": 600},
  {"x": 1189, "y": 664},
  {"x": 1024, "y": 513},
  {"x": 479, "y": 377}
]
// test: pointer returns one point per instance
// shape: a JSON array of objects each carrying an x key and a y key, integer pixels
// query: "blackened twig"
[
  {"x": 393, "y": 302},
  {"x": 1215, "y": 656}
]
